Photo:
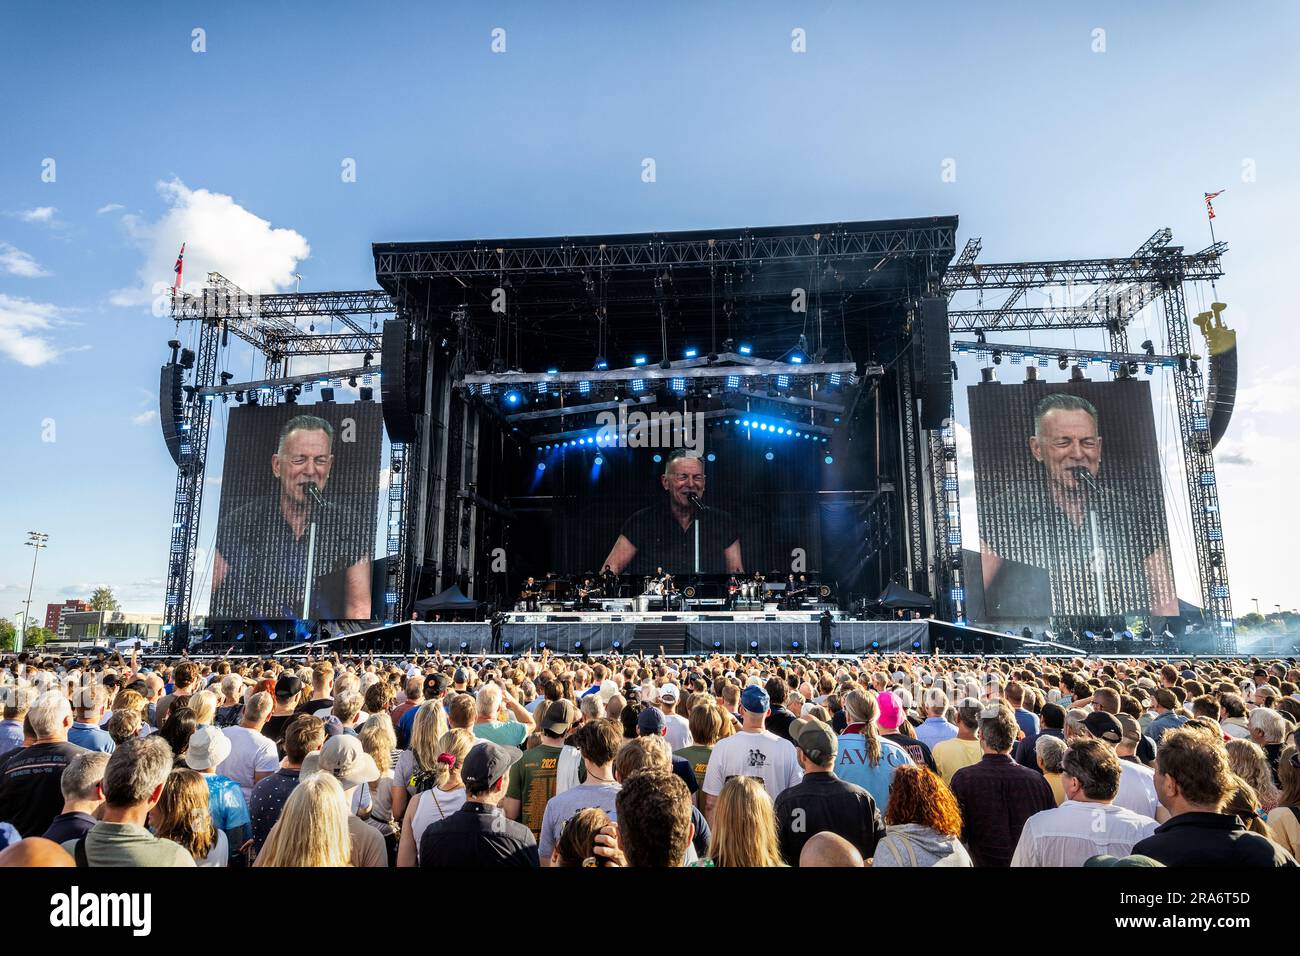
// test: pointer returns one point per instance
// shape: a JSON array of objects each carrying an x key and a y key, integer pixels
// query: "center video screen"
[
  {"x": 736, "y": 501},
  {"x": 1070, "y": 502},
  {"x": 296, "y": 527}
]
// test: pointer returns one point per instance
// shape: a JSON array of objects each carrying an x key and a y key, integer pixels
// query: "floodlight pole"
[{"x": 35, "y": 540}]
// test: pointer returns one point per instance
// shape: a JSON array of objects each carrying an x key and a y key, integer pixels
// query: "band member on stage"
[
  {"x": 825, "y": 623},
  {"x": 259, "y": 568},
  {"x": 584, "y": 594},
  {"x": 532, "y": 591},
  {"x": 609, "y": 581},
  {"x": 679, "y": 527}
]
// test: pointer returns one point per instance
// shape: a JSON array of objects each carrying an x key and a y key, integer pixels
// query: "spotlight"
[
  {"x": 464, "y": 645},
  {"x": 691, "y": 353},
  {"x": 835, "y": 644},
  {"x": 239, "y": 397},
  {"x": 875, "y": 645},
  {"x": 601, "y": 363},
  {"x": 753, "y": 645},
  {"x": 638, "y": 360},
  {"x": 1062, "y": 362},
  {"x": 541, "y": 645},
  {"x": 829, "y": 459},
  {"x": 1148, "y": 347},
  {"x": 618, "y": 645},
  {"x": 997, "y": 357},
  {"x": 599, "y": 460},
  {"x": 514, "y": 397},
  {"x": 979, "y": 336},
  {"x": 352, "y": 381},
  {"x": 796, "y": 358},
  {"x": 745, "y": 349},
  {"x": 794, "y": 645},
  {"x": 577, "y": 645},
  {"x": 541, "y": 466},
  {"x": 717, "y": 645},
  {"x": 768, "y": 455},
  {"x": 916, "y": 645},
  {"x": 506, "y": 646},
  {"x": 711, "y": 456}
]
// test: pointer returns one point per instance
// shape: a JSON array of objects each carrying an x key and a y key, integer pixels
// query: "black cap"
[
  {"x": 1104, "y": 726},
  {"x": 435, "y": 685},
  {"x": 486, "y": 763},
  {"x": 287, "y": 687}
]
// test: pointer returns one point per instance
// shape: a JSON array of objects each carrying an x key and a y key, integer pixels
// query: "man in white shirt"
[
  {"x": 751, "y": 752},
  {"x": 1087, "y": 823},
  {"x": 679, "y": 728},
  {"x": 1137, "y": 785},
  {"x": 252, "y": 754}
]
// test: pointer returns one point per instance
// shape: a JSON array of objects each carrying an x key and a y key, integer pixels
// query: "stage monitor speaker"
[
  {"x": 935, "y": 378},
  {"x": 402, "y": 382},
  {"x": 171, "y": 412}
]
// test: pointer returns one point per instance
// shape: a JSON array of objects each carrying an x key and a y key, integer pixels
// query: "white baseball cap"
[{"x": 668, "y": 692}]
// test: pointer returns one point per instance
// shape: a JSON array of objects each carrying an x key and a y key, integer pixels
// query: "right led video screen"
[{"x": 1071, "y": 508}]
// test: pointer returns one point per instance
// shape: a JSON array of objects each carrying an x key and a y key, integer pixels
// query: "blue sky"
[{"x": 1060, "y": 151}]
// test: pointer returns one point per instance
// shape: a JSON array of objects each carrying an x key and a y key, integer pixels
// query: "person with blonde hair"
[
  {"x": 1249, "y": 762},
  {"x": 864, "y": 757},
  {"x": 417, "y": 766},
  {"x": 378, "y": 738},
  {"x": 181, "y": 815},
  {"x": 744, "y": 827},
  {"x": 445, "y": 795},
  {"x": 313, "y": 827}
]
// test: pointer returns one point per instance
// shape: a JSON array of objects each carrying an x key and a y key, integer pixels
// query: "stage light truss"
[
  {"x": 1196, "y": 266},
  {"x": 824, "y": 243},
  {"x": 698, "y": 370},
  {"x": 310, "y": 378},
  {"x": 984, "y": 349}
]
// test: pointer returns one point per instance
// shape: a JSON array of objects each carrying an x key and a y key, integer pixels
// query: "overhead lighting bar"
[
  {"x": 270, "y": 384},
  {"x": 1031, "y": 351}
]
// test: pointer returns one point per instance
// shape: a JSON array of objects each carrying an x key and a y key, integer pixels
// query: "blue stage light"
[
  {"x": 514, "y": 397},
  {"x": 638, "y": 360},
  {"x": 916, "y": 645},
  {"x": 552, "y": 371},
  {"x": 783, "y": 381},
  {"x": 599, "y": 460},
  {"x": 829, "y": 459},
  {"x": 753, "y": 645},
  {"x": 794, "y": 645},
  {"x": 711, "y": 456},
  {"x": 875, "y": 645},
  {"x": 506, "y": 646},
  {"x": 541, "y": 466},
  {"x": 679, "y": 385},
  {"x": 584, "y": 388},
  {"x": 638, "y": 385},
  {"x": 835, "y": 644},
  {"x": 691, "y": 353},
  {"x": 745, "y": 348},
  {"x": 601, "y": 364},
  {"x": 658, "y": 459},
  {"x": 717, "y": 645},
  {"x": 769, "y": 456},
  {"x": 796, "y": 358},
  {"x": 745, "y": 423},
  {"x": 733, "y": 381},
  {"x": 577, "y": 645},
  {"x": 618, "y": 645},
  {"x": 780, "y": 430},
  {"x": 464, "y": 645}
]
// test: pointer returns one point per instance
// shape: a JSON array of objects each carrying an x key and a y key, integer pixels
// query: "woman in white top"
[
  {"x": 378, "y": 739},
  {"x": 444, "y": 798},
  {"x": 181, "y": 815}
]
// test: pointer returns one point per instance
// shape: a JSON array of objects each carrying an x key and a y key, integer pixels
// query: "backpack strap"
[{"x": 79, "y": 851}]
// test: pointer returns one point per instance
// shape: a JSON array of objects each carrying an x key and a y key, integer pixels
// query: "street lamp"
[
  {"x": 1256, "y": 600},
  {"x": 35, "y": 540}
]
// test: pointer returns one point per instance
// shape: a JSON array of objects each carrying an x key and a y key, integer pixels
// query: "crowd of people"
[{"x": 627, "y": 761}]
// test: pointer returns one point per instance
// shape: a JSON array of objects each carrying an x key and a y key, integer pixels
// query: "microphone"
[
  {"x": 695, "y": 500},
  {"x": 313, "y": 494},
  {"x": 1084, "y": 477}
]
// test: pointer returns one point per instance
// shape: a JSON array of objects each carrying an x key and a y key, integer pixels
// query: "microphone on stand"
[
  {"x": 313, "y": 494},
  {"x": 695, "y": 500},
  {"x": 1084, "y": 477}
]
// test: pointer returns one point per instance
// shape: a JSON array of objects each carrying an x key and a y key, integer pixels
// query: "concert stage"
[{"x": 702, "y": 634}]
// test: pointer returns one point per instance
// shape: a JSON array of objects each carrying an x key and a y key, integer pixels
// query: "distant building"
[
  {"x": 54, "y": 615},
  {"x": 90, "y": 626}
]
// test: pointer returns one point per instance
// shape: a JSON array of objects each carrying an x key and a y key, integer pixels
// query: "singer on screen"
[
  {"x": 1101, "y": 546},
  {"x": 680, "y": 532},
  {"x": 299, "y": 552}
]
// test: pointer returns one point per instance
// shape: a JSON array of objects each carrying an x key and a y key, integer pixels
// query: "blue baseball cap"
[
  {"x": 755, "y": 700},
  {"x": 650, "y": 722}
]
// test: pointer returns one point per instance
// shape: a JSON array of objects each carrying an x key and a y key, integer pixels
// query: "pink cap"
[{"x": 891, "y": 711}]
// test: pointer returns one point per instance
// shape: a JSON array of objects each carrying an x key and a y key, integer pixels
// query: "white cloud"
[
  {"x": 111, "y": 207},
  {"x": 1271, "y": 393},
  {"x": 43, "y": 214},
  {"x": 22, "y": 323},
  {"x": 18, "y": 263},
  {"x": 145, "y": 417},
  {"x": 219, "y": 236}
]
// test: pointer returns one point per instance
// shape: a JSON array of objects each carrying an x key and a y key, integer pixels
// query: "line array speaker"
[
  {"x": 171, "y": 412},
  {"x": 936, "y": 368},
  {"x": 402, "y": 382}
]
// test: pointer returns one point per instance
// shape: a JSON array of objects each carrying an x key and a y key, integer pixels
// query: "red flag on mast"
[{"x": 180, "y": 267}]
